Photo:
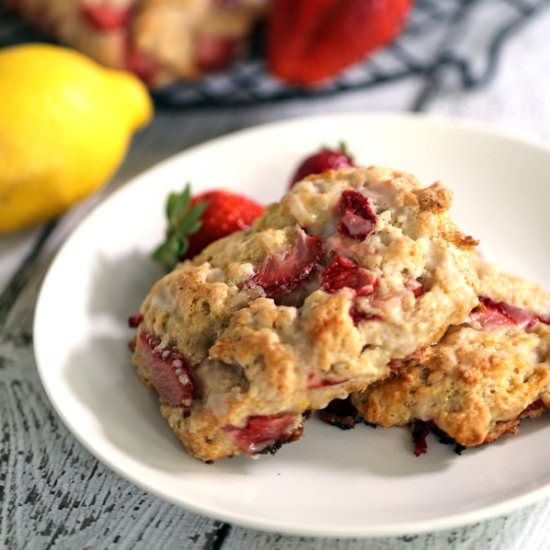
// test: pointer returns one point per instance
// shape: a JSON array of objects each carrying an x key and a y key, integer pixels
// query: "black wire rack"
[{"x": 435, "y": 40}]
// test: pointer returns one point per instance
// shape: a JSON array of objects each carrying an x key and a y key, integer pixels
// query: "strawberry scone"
[
  {"x": 351, "y": 271},
  {"x": 483, "y": 377},
  {"x": 159, "y": 40}
]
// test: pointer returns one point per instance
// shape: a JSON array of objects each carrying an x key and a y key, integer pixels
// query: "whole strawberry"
[
  {"x": 325, "y": 159},
  {"x": 312, "y": 41},
  {"x": 224, "y": 214},
  {"x": 195, "y": 222}
]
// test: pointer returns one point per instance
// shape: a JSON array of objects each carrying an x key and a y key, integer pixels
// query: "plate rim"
[{"x": 265, "y": 524}]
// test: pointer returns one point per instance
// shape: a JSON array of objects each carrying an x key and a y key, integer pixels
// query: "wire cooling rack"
[{"x": 465, "y": 36}]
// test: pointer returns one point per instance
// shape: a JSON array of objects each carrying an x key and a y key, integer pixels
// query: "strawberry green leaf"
[
  {"x": 183, "y": 220},
  {"x": 344, "y": 149}
]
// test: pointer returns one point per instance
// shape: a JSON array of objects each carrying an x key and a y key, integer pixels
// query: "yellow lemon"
[{"x": 65, "y": 125}]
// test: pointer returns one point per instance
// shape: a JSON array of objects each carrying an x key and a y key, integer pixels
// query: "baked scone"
[
  {"x": 349, "y": 272},
  {"x": 159, "y": 40},
  {"x": 483, "y": 377}
]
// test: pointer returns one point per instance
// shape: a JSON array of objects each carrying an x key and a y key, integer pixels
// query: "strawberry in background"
[
  {"x": 312, "y": 41},
  {"x": 324, "y": 159}
]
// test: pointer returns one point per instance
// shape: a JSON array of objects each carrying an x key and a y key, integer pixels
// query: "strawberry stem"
[
  {"x": 183, "y": 220},
  {"x": 343, "y": 148}
]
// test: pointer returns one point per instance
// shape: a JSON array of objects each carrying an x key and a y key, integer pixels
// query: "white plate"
[{"x": 331, "y": 483}]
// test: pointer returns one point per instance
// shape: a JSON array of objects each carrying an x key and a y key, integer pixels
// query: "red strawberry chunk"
[
  {"x": 261, "y": 432},
  {"x": 345, "y": 273},
  {"x": 358, "y": 219},
  {"x": 517, "y": 315},
  {"x": 280, "y": 276},
  {"x": 490, "y": 318},
  {"x": 495, "y": 314},
  {"x": 416, "y": 287},
  {"x": 420, "y": 432},
  {"x": 144, "y": 66},
  {"x": 359, "y": 316},
  {"x": 170, "y": 371},
  {"x": 105, "y": 17},
  {"x": 316, "y": 383},
  {"x": 355, "y": 226},
  {"x": 215, "y": 53},
  {"x": 135, "y": 320},
  {"x": 535, "y": 406}
]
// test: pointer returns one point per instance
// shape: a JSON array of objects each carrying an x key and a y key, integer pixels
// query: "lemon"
[{"x": 65, "y": 126}]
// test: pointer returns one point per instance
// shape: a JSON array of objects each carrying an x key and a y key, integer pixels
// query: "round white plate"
[{"x": 363, "y": 482}]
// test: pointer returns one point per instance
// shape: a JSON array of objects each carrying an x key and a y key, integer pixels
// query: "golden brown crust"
[
  {"x": 257, "y": 356},
  {"x": 477, "y": 383},
  {"x": 331, "y": 332},
  {"x": 435, "y": 198}
]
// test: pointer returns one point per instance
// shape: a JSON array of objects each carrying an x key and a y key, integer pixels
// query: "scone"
[
  {"x": 483, "y": 377},
  {"x": 159, "y": 40},
  {"x": 350, "y": 272}
]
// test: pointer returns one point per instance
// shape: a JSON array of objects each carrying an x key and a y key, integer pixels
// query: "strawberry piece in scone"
[
  {"x": 105, "y": 16},
  {"x": 482, "y": 378},
  {"x": 280, "y": 319},
  {"x": 278, "y": 276},
  {"x": 264, "y": 433},
  {"x": 357, "y": 217},
  {"x": 169, "y": 370},
  {"x": 342, "y": 272}
]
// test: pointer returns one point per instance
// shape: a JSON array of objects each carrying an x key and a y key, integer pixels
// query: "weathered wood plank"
[
  {"x": 13, "y": 249},
  {"x": 56, "y": 495},
  {"x": 506, "y": 533}
]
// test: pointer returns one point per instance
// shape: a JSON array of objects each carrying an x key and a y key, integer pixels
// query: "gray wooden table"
[{"x": 54, "y": 494}]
